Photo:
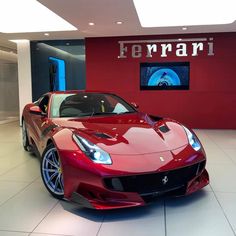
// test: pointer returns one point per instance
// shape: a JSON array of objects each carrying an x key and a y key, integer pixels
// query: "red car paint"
[{"x": 137, "y": 147}]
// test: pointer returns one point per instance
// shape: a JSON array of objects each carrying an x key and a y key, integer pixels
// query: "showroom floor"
[
  {"x": 7, "y": 116},
  {"x": 26, "y": 208}
]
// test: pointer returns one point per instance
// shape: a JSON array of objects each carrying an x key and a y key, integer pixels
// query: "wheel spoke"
[
  {"x": 52, "y": 176},
  {"x": 54, "y": 158},
  {"x": 57, "y": 182},
  {"x": 50, "y": 170},
  {"x": 51, "y": 163},
  {"x": 60, "y": 181}
]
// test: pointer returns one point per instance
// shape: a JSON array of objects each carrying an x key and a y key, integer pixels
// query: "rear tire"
[
  {"x": 51, "y": 172},
  {"x": 25, "y": 140}
]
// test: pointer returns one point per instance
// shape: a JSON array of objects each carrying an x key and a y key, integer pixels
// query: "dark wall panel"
[
  {"x": 210, "y": 101},
  {"x": 40, "y": 53}
]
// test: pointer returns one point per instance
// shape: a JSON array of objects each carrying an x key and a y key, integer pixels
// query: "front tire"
[{"x": 51, "y": 172}]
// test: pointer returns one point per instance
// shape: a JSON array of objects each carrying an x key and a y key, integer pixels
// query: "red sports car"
[{"x": 99, "y": 151}]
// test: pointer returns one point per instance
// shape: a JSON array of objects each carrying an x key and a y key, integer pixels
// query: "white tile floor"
[
  {"x": 7, "y": 117},
  {"x": 26, "y": 208}
]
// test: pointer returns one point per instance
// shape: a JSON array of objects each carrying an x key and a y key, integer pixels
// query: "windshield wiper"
[{"x": 103, "y": 113}]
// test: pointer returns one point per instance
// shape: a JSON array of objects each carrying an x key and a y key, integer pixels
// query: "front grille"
[
  {"x": 170, "y": 193},
  {"x": 157, "y": 182}
]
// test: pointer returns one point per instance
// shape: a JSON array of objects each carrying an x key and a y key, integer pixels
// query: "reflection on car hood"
[{"x": 128, "y": 134}]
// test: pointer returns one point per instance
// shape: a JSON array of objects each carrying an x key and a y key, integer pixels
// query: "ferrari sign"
[{"x": 164, "y": 47}]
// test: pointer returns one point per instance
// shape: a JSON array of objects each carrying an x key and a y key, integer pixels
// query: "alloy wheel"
[{"x": 52, "y": 172}]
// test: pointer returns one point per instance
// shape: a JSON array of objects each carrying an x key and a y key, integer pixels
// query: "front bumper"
[
  {"x": 103, "y": 199},
  {"x": 102, "y": 187}
]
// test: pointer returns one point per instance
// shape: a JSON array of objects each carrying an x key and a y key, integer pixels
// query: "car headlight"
[
  {"x": 192, "y": 139},
  {"x": 95, "y": 153}
]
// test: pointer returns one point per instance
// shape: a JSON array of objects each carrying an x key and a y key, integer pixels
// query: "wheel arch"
[
  {"x": 49, "y": 141},
  {"x": 63, "y": 140}
]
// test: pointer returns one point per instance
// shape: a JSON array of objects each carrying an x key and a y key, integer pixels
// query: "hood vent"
[
  {"x": 155, "y": 118},
  {"x": 102, "y": 135},
  {"x": 164, "y": 129}
]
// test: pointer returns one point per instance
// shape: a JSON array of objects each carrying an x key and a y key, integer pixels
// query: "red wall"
[{"x": 209, "y": 103}]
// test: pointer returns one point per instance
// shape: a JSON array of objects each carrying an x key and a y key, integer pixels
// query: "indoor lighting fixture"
[
  {"x": 46, "y": 34},
  {"x": 157, "y": 13},
  {"x": 119, "y": 22},
  {"x": 91, "y": 23},
  {"x": 184, "y": 28},
  {"x": 19, "y": 40},
  {"x": 30, "y": 16}
]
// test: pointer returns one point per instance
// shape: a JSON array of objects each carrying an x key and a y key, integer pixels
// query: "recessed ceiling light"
[
  {"x": 30, "y": 16},
  {"x": 184, "y": 28},
  {"x": 180, "y": 39},
  {"x": 183, "y": 12},
  {"x": 119, "y": 22},
  {"x": 46, "y": 34},
  {"x": 91, "y": 23},
  {"x": 19, "y": 40},
  {"x": 67, "y": 44}
]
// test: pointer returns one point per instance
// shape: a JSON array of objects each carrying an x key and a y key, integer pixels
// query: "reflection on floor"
[
  {"x": 8, "y": 117},
  {"x": 26, "y": 208}
]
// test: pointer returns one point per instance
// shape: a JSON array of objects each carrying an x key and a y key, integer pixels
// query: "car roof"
[{"x": 77, "y": 91}]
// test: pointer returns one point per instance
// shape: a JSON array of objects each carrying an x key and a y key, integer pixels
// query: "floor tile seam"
[
  {"x": 234, "y": 162},
  {"x": 11, "y": 121},
  {"x": 50, "y": 234},
  {"x": 165, "y": 218},
  {"x": 53, "y": 207},
  {"x": 23, "y": 181},
  {"x": 14, "y": 231},
  {"x": 16, "y": 181},
  {"x": 219, "y": 164},
  {"x": 225, "y": 215},
  {"x": 10, "y": 152},
  {"x": 20, "y": 191},
  {"x": 227, "y": 192},
  {"x": 217, "y": 191},
  {"x": 15, "y": 167},
  {"x": 10, "y": 142},
  {"x": 221, "y": 149},
  {"x": 103, "y": 219}
]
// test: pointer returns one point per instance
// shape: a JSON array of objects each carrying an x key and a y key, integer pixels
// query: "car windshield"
[{"x": 88, "y": 104}]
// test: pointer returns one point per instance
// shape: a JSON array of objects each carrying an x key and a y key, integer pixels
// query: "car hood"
[{"x": 128, "y": 134}]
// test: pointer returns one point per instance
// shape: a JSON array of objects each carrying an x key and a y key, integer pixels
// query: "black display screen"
[{"x": 164, "y": 76}]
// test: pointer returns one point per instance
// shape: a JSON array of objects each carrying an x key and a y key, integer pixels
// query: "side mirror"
[
  {"x": 36, "y": 110},
  {"x": 135, "y": 105}
]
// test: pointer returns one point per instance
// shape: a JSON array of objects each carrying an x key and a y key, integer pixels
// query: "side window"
[
  {"x": 43, "y": 104},
  {"x": 115, "y": 105},
  {"x": 112, "y": 102}
]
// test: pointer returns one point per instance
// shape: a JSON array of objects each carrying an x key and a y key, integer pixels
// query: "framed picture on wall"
[{"x": 164, "y": 76}]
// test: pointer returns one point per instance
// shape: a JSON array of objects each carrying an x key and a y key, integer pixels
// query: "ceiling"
[{"x": 105, "y": 14}]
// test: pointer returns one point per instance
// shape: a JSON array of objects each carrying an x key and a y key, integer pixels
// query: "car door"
[{"x": 42, "y": 122}]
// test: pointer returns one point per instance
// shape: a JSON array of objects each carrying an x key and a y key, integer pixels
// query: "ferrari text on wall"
[{"x": 165, "y": 47}]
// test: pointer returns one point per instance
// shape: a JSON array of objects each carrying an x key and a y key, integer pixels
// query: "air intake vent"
[
  {"x": 149, "y": 183},
  {"x": 164, "y": 129},
  {"x": 102, "y": 135},
  {"x": 155, "y": 118}
]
